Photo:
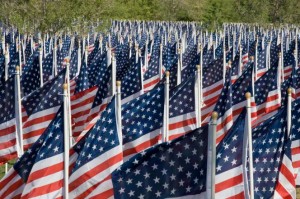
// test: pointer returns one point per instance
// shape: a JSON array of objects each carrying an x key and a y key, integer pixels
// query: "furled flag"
[
  {"x": 8, "y": 148},
  {"x": 142, "y": 120},
  {"x": 39, "y": 171},
  {"x": 151, "y": 77},
  {"x": 41, "y": 107},
  {"x": 182, "y": 115},
  {"x": 170, "y": 170},
  {"x": 271, "y": 159},
  {"x": 190, "y": 60},
  {"x": 288, "y": 63},
  {"x": 261, "y": 63},
  {"x": 229, "y": 166},
  {"x": 100, "y": 155}
]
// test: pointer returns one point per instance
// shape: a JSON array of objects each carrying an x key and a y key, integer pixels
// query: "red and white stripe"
[
  {"x": 93, "y": 117},
  {"x": 264, "y": 110},
  {"x": 287, "y": 71},
  {"x": 147, "y": 140},
  {"x": 181, "y": 125},
  {"x": 151, "y": 83},
  {"x": 260, "y": 73},
  {"x": 36, "y": 124},
  {"x": 72, "y": 86},
  {"x": 230, "y": 184},
  {"x": 295, "y": 151},
  {"x": 212, "y": 92},
  {"x": 81, "y": 104},
  {"x": 11, "y": 185},
  {"x": 45, "y": 179},
  {"x": 245, "y": 59},
  {"x": 88, "y": 177},
  {"x": 286, "y": 186},
  {"x": 8, "y": 149}
]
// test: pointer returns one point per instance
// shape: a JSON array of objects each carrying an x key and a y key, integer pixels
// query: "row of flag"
[{"x": 136, "y": 111}]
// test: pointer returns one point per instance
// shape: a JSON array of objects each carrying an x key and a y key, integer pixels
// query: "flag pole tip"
[
  {"x": 65, "y": 86},
  {"x": 248, "y": 95},
  {"x": 118, "y": 83},
  {"x": 17, "y": 68},
  {"x": 167, "y": 74},
  {"x": 252, "y": 58},
  {"x": 198, "y": 67},
  {"x": 214, "y": 115},
  {"x": 289, "y": 91}
]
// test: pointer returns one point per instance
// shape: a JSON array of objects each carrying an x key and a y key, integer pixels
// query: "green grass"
[{"x": 2, "y": 167}]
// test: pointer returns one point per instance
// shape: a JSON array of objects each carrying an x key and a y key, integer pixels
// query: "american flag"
[
  {"x": 190, "y": 60},
  {"x": 142, "y": 121},
  {"x": 295, "y": 137},
  {"x": 30, "y": 79},
  {"x": 91, "y": 75},
  {"x": 269, "y": 157},
  {"x": 41, "y": 107},
  {"x": 48, "y": 67},
  {"x": 2, "y": 69},
  {"x": 224, "y": 108},
  {"x": 182, "y": 116},
  {"x": 86, "y": 107},
  {"x": 170, "y": 170},
  {"x": 132, "y": 83},
  {"x": 212, "y": 80},
  {"x": 122, "y": 60},
  {"x": 7, "y": 121},
  {"x": 30, "y": 176},
  {"x": 261, "y": 63},
  {"x": 151, "y": 76},
  {"x": 100, "y": 155},
  {"x": 288, "y": 64},
  {"x": 268, "y": 93},
  {"x": 229, "y": 166}
]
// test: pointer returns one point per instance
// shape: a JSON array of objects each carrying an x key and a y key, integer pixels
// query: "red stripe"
[
  {"x": 96, "y": 170},
  {"x": 7, "y": 131},
  {"x": 45, "y": 171},
  {"x": 42, "y": 190},
  {"x": 7, "y": 144},
  {"x": 282, "y": 192},
  {"x": 106, "y": 194},
  {"x": 40, "y": 119},
  {"x": 295, "y": 150},
  {"x": 296, "y": 164},
  {"x": 213, "y": 90},
  {"x": 182, "y": 123},
  {"x": 92, "y": 188},
  {"x": 142, "y": 146},
  {"x": 238, "y": 196},
  {"x": 153, "y": 82},
  {"x": 13, "y": 188},
  {"x": 287, "y": 174},
  {"x": 229, "y": 183}
]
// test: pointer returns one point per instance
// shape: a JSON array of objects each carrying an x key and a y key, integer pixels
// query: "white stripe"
[
  {"x": 131, "y": 97},
  {"x": 10, "y": 183},
  {"x": 105, "y": 186},
  {"x": 99, "y": 176},
  {"x": 183, "y": 129}
]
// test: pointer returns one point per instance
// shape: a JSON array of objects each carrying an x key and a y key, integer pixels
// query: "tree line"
[{"x": 55, "y": 15}]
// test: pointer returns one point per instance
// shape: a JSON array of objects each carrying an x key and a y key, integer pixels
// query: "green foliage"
[{"x": 57, "y": 15}]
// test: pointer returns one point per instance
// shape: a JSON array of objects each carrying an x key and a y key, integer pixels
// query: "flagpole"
[
  {"x": 289, "y": 111},
  {"x": 179, "y": 67},
  {"x": 66, "y": 143},
  {"x": 224, "y": 59},
  {"x": 165, "y": 136},
  {"x": 6, "y": 65},
  {"x": 18, "y": 112},
  {"x": 20, "y": 58},
  {"x": 249, "y": 138},
  {"x": 78, "y": 60},
  {"x": 198, "y": 98},
  {"x": 160, "y": 61},
  {"x": 41, "y": 66},
  {"x": 69, "y": 101},
  {"x": 86, "y": 55},
  {"x": 113, "y": 74},
  {"x": 211, "y": 157},
  {"x": 119, "y": 113}
]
